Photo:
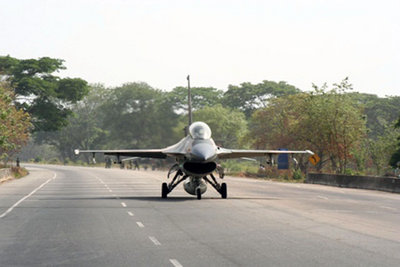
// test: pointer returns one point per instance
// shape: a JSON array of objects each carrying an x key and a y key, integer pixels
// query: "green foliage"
[
  {"x": 326, "y": 122},
  {"x": 338, "y": 121},
  {"x": 201, "y": 97},
  {"x": 14, "y": 124},
  {"x": 228, "y": 126},
  {"x": 297, "y": 175},
  {"x": 329, "y": 121},
  {"x": 379, "y": 112},
  {"x": 138, "y": 116},
  {"x": 85, "y": 125},
  {"x": 39, "y": 92},
  {"x": 382, "y": 148},
  {"x": 395, "y": 158},
  {"x": 237, "y": 166},
  {"x": 249, "y": 97}
]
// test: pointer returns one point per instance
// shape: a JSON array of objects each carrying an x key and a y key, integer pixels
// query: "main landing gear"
[
  {"x": 167, "y": 188},
  {"x": 221, "y": 188}
]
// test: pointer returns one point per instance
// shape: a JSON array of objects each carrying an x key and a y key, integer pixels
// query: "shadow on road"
[{"x": 159, "y": 199}]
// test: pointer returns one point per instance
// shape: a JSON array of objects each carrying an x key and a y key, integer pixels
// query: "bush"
[
  {"x": 297, "y": 175},
  {"x": 54, "y": 161},
  {"x": 18, "y": 172}
]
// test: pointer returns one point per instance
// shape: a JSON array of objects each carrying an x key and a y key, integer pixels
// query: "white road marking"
[
  {"x": 388, "y": 208},
  {"x": 175, "y": 262},
  {"x": 130, "y": 213},
  {"x": 322, "y": 197},
  {"x": 141, "y": 225},
  {"x": 155, "y": 241},
  {"x": 123, "y": 204},
  {"x": 25, "y": 197},
  {"x": 109, "y": 190}
]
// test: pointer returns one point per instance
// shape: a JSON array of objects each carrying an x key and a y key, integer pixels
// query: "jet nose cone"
[{"x": 203, "y": 152}]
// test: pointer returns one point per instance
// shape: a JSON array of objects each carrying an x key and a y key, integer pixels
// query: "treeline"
[{"x": 351, "y": 132}]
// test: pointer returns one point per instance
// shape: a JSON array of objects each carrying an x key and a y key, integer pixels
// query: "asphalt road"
[{"x": 72, "y": 216}]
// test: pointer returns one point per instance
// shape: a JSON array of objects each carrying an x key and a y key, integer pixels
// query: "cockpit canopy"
[{"x": 199, "y": 130}]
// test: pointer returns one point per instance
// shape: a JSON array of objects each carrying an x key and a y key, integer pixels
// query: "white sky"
[{"x": 217, "y": 42}]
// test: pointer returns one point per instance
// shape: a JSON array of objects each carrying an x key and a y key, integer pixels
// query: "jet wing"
[
  {"x": 144, "y": 153},
  {"x": 224, "y": 153}
]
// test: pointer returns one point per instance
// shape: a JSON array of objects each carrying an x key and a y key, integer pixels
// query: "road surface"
[{"x": 76, "y": 216}]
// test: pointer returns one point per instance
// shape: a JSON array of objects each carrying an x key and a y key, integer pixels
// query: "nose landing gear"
[
  {"x": 198, "y": 193},
  {"x": 180, "y": 177}
]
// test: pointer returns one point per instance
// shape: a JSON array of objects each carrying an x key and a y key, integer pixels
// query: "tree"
[
  {"x": 84, "y": 129},
  {"x": 395, "y": 158},
  {"x": 326, "y": 122},
  {"x": 380, "y": 112},
  {"x": 227, "y": 126},
  {"x": 14, "y": 124},
  {"x": 46, "y": 97},
  {"x": 138, "y": 116},
  {"x": 201, "y": 97},
  {"x": 249, "y": 97},
  {"x": 382, "y": 148},
  {"x": 279, "y": 125},
  {"x": 337, "y": 122}
]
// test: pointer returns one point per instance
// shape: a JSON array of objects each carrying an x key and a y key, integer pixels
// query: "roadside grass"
[
  {"x": 12, "y": 172},
  {"x": 254, "y": 170},
  {"x": 19, "y": 172},
  {"x": 286, "y": 176}
]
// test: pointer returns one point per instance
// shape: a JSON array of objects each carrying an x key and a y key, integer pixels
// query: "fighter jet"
[{"x": 196, "y": 157}]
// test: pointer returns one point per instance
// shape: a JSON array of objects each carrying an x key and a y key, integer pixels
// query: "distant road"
[{"x": 75, "y": 216}]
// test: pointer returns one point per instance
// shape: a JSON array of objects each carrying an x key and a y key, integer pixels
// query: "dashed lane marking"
[
  {"x": 175, "y": 262},
  {"x": 25, "y": 197},
  {"x": 123, "y": 204},
  {"x": 130, "y": 213},
  {"x": 155, "y": 241},
  {"x": 141, "y": 225},
  {"x": 388, "y": 208}
]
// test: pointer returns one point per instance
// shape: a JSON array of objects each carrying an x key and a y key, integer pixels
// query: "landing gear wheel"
[
  {"x": 223, "y": 190},
  {"x": 198, "y": 193},
  {"x": 164, "y": 190}
]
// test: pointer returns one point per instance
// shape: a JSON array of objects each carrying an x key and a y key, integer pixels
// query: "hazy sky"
[{"x": 217, "y": 42}]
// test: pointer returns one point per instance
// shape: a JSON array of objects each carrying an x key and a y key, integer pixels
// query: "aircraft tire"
[
  {"x": 198, "y": 193},
  {"x": 164, "y": 190},
  {"x": 223, "y": 190}
]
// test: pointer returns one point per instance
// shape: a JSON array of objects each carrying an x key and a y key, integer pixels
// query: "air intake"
[{"x": 200, "y": 169}]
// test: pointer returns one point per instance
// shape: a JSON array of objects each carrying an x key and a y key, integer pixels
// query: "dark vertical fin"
[{"x": 189, "y": 101}]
